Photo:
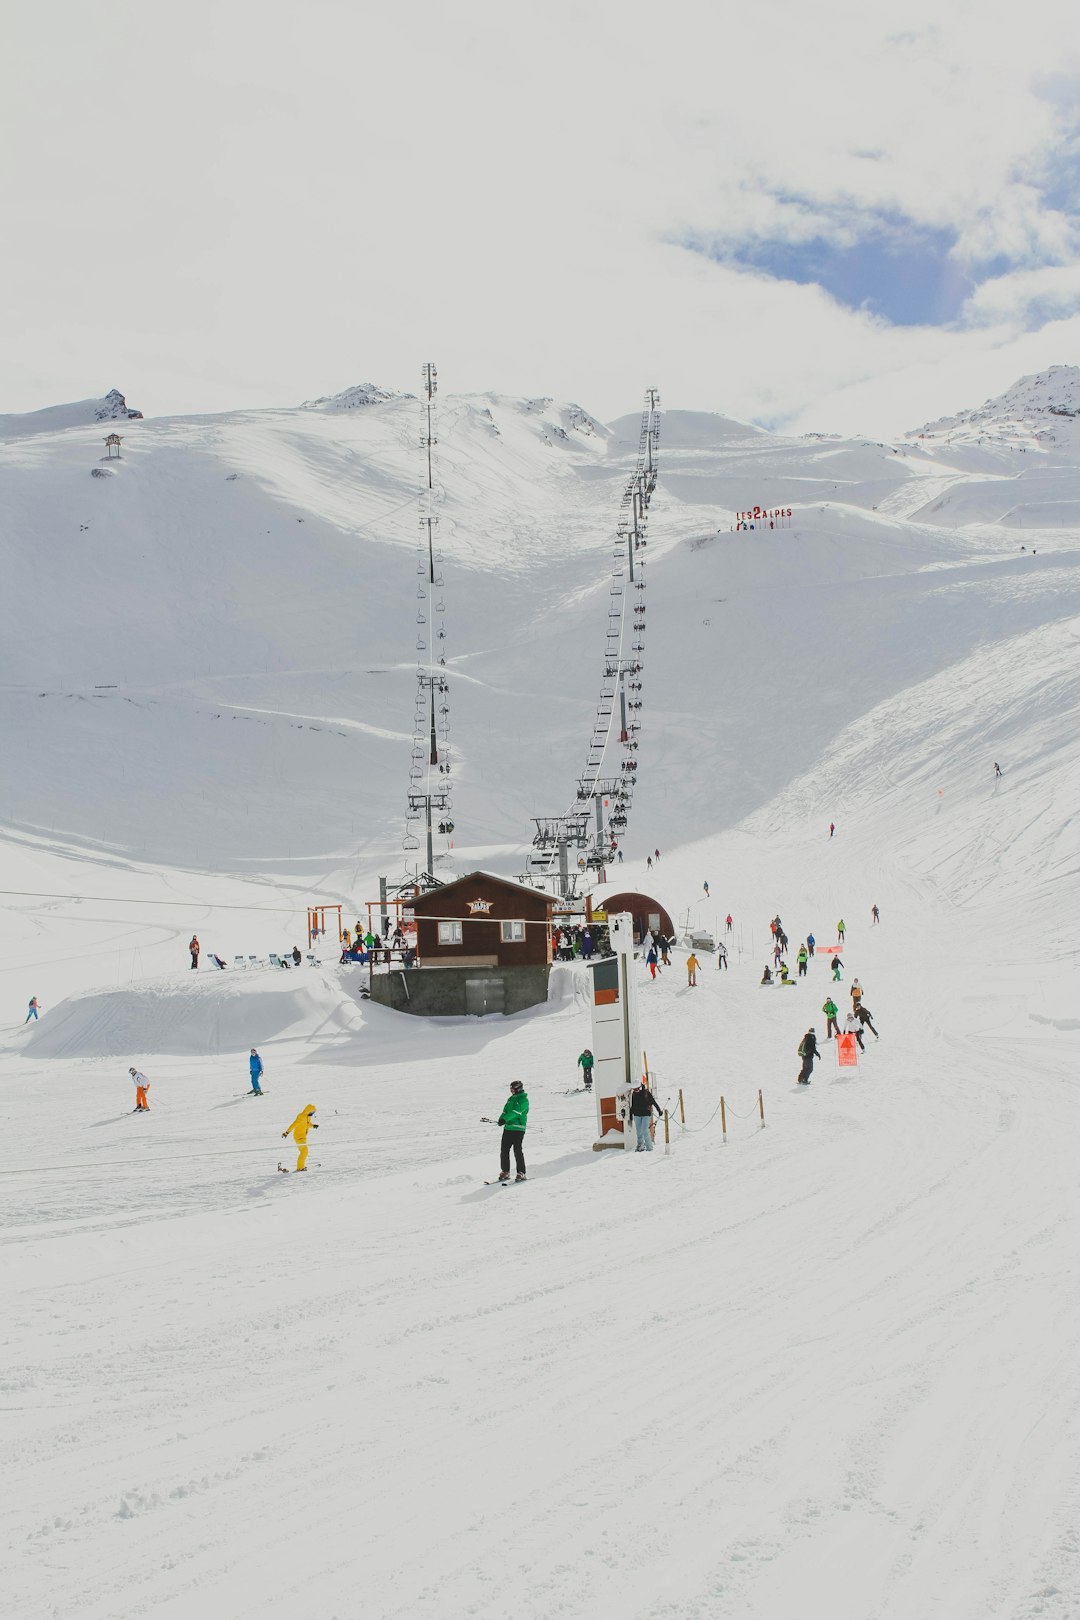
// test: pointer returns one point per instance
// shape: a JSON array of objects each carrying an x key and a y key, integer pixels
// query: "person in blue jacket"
[
  {"x": 810, "y": 943},
  {"x": 255, "y": 1064}
]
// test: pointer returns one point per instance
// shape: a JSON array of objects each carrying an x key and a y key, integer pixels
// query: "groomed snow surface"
[{"x": 823, "y": 1369}]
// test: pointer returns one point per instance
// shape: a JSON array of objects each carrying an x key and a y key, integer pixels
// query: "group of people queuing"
[
  {"x": 572, "y": 942},
  {"x": 657, "y": 947},
  {"x": 369, "y": 946}
]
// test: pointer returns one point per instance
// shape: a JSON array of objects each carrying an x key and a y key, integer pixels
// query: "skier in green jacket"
[
  {"x": 585, "y": 1062},
  {"x": 829, "y": 1008},
  {"x": 513, "y": 1120}
]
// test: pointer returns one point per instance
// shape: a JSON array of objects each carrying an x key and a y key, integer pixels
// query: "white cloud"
[{"x": 255, "y": 202}]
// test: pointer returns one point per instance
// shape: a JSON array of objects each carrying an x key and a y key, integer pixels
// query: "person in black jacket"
[
  {"x": 642, "y": 1103},
  {"x": 808, "y": 1051},
  {"x": 863, "y": 1015}
]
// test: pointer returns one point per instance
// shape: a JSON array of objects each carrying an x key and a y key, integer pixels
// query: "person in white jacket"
[
  {"x": 142, "y": 1086},
  {"x": 852, "y": 1026}
]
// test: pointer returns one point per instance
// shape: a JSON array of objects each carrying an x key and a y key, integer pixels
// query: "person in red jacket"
[{"x": 194, "y": 949}]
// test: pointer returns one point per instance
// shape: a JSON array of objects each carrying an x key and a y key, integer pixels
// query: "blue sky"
[{"x": 895, "y": 269}]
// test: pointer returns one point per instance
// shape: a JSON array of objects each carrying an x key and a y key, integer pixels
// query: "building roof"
[{"x": 436, "y": 897}]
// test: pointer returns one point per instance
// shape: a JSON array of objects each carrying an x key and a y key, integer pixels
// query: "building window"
[
  {"x": 512, "y": 933},
  {"x": 449, "y": 933}
]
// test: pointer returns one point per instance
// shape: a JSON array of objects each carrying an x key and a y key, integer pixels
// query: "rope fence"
[{"x": 722, "y": 1108}]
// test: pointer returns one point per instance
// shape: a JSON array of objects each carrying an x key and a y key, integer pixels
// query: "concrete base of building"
[{"x": 450, "y": 992}]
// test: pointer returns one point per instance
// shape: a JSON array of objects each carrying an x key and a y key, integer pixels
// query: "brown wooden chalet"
[
  {"x": 483, "y": 921},
  {"x": 483, "y": 945}
]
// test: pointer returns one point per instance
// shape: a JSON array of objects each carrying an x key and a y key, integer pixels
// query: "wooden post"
[
  {"x": 667, "y": 1134},
  {"x": 682, "y": 1110},
  {"x": 761, "y": 1108},
  {"x": 723, "y": 1118}
]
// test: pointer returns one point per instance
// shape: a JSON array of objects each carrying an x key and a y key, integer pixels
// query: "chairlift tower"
[
  {"x": 429, "y": 774},
  {"x": 606, "y": 785}
]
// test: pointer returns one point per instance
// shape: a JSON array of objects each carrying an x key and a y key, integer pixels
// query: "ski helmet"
[{"x": 517, "y": 1085}]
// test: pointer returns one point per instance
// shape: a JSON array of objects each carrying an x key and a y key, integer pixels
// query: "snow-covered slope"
[{"x": 825, "y": 1368}]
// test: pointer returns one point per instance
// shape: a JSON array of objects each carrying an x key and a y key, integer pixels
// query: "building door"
[{"x": 484, "y": 996}]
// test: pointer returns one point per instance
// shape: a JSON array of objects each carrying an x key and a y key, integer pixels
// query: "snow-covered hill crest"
[{"x": 80, "y": 413}]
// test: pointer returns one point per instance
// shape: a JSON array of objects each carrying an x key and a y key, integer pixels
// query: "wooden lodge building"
[{"x": 483, "y": 945}]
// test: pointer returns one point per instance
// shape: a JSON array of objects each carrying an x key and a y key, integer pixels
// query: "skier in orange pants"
[
  {"x": 142, "y": 1086},
  {"x": 299, "y": 1128}
]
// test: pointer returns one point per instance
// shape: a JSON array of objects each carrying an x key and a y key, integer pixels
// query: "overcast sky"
[{"x": 852, "y": 215}]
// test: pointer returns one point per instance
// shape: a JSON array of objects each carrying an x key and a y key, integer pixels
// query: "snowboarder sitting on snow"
[
  {"x": 766, "y": 977},
  {"x": 299, "y": 1128},
  {"x": 808, "y": 1051},
  {"x": 513, "y": 1119},
  {"x": 830, "y": 1009},
  {"x": 785, "y": 975},
  {"x": 585, "y": 1063},
  {"x": 642, "y": 1103}
]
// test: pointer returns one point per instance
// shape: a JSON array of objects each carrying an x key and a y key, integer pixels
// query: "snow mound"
[
  {"x": 229, "y": 1012},
  {"x": 81, "y": 413}
]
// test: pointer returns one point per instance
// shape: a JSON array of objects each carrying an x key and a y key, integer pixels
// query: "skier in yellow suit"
[{"x": 299, "y": 1128}]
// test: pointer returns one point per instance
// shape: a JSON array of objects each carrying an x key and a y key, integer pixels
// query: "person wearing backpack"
[
  {"x": 830, "y": 1009},
  {"x": 808, "y": 1051},
  {"x": 642, "y": 1103}
]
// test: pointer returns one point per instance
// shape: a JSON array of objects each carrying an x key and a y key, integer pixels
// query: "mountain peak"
[
  {"x": 1031, "y": 400},
  {"x": 358, "y": 397}
]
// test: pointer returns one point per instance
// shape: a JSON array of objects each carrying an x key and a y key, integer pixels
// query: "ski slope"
[{"x": 823, "y": 1368}]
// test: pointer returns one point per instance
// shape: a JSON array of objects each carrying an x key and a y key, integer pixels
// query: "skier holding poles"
[
  {"x": 298, "y": 1130},
  {"x": 513, "y": 1119}
]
